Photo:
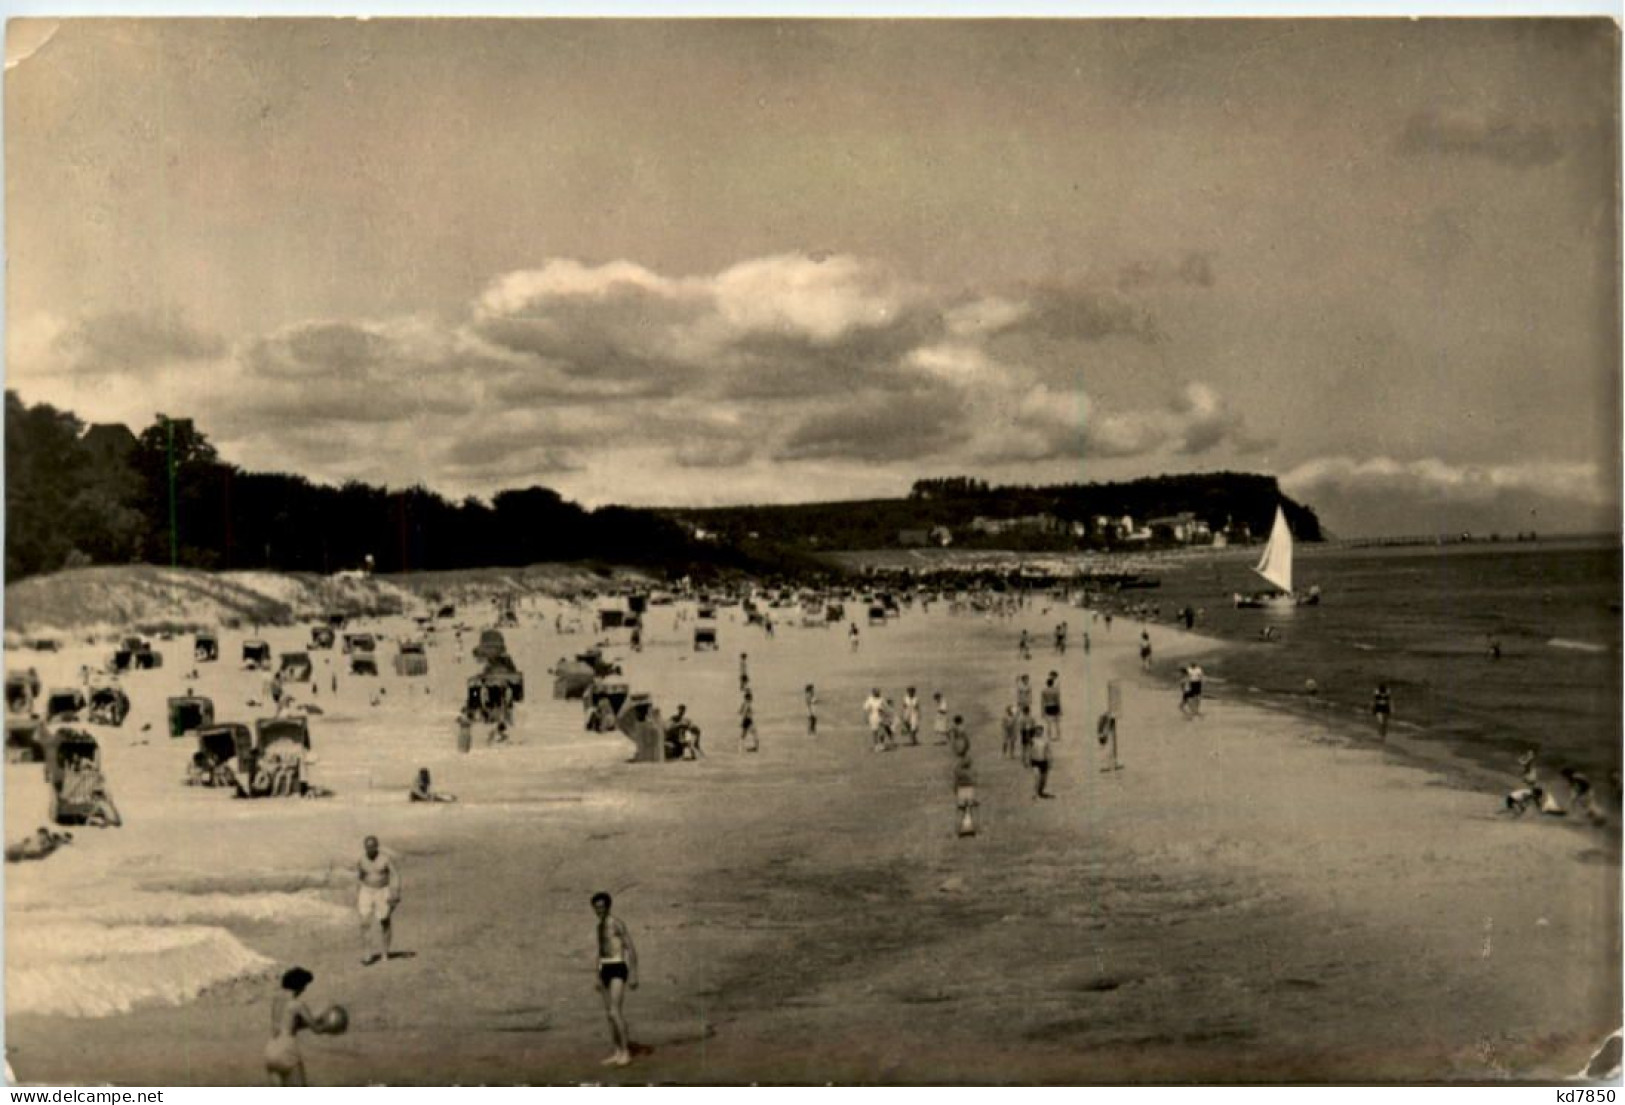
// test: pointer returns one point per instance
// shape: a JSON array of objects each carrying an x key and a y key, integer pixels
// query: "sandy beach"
[{"x": 1254, "y": 897}]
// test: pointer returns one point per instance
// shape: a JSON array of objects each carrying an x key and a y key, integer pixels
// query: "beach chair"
[
  {"x": 411, "y": 659},
  {"x": 363, "y": 663},
  {"x": 109, "y": 705},
  {"x": 73, "y": 769},
  {"x": 604, "y": 702},
  {"x": 256, "y": 655},
  {"x": 218, "y": 748},
  {"x": 275, "y": 767},
  {"x": 491, "y": 643},
  {"x": 640, "y": 722},
  {"x": 205, "y": 648},
  {"x": 21, "y": 691},
  {"x": 64, "y": 702},
  {"x": 705, "y": 637},
  {"x": 322, "y": 637},
  {"x": 25, "y": 740},
  {"x": 188, "y": 714},
  {"x": 295, "y": 667}
]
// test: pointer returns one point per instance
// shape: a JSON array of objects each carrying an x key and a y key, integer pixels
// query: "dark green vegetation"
[{"x": 77, "y": 496}]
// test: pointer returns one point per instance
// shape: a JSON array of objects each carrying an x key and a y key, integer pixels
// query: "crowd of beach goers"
[{"x": 352, "y": 844}]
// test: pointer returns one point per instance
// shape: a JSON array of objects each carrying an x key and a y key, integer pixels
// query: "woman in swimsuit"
[{"x": 283, "y": 1062}]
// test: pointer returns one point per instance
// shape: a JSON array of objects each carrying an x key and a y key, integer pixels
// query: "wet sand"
[{"x": 1253, "y": 898}]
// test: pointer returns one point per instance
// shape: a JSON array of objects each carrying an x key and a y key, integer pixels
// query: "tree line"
[{"x": 79, "y": 495}]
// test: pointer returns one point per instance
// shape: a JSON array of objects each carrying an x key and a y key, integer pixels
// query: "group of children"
[{"x": 1028, "y": 737}]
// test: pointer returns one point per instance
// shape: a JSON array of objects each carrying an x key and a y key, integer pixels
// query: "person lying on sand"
[
  {"x": 423, "y": 790},
  {"x": 37, "y": 845}
]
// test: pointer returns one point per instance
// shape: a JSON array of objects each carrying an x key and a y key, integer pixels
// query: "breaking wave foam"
[{"x": 86, "y": 970}]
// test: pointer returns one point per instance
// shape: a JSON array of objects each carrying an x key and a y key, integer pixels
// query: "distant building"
[
  {"x": 942, "y": 536},
  {"x": 913, "y": 538},
  {"x": 1183, "y": 527}
]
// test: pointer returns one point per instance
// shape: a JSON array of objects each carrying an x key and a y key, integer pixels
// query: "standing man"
[
  {"x": 748, "y": 740},
  {"x": 811, "y": 695},
  {"x": 617, "y": 972},
  {"x": 1194, "y": 674},
  {"x": 1038, "y": 756},
  {"x": 380, "y": 876},
  {"x": 465, "y": 730},
  {"x": 1145, "y": 649},
  {"x": 1050, "y": 696},
  {"x": 1029, "y": 730},
  {"x": 1024, "y": 693}
]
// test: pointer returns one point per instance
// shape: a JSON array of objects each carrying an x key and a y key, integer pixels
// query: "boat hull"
[{"x": 1277, "y": 601}]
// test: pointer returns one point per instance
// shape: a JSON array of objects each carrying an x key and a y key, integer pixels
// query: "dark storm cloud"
[{"x": 1522, "y": 145}]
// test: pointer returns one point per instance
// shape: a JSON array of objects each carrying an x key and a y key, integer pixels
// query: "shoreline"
[
  {"x": 1410, "y": 742},
  {"x": 1176, "y": 921}
]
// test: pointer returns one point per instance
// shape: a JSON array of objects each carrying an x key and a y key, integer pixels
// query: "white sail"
[{"x": 1276, "y": 563}]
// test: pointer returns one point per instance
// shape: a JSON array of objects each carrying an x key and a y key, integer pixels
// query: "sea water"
[{"x": 1422, "y": 619}]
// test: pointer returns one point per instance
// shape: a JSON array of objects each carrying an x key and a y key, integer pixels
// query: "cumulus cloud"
[
  {"x": 1434, "y": 478},
  {"x": 823, "y": 362},
  {"x": 1045, "y": 423},
  {"x": 1493, "y": 138}
]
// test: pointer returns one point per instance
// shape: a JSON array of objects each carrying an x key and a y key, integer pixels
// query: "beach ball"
[{"x": 333, "y": 1021}]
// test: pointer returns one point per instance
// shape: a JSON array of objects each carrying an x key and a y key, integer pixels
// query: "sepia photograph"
[{"x": 954, "y": 551}]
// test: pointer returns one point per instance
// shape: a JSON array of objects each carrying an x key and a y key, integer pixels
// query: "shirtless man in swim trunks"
[
  {"x": 617, "y": 971},
  {"x": 380, "y": 875}
]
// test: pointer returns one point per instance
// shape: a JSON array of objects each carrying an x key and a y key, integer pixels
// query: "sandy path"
[{"x": 1251, "y": 898}]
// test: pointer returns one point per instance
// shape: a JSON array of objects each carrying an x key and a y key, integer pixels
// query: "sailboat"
[{"x": 1276, "y": 568}]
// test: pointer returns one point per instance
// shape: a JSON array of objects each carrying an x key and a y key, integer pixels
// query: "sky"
[{"x": 692, "y": 262}]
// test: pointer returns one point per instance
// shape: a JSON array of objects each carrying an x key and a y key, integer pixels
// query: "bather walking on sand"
[
  {"x": 380, "y": 876},
  {"x": 1050, "y": 697},
  {"x": 617, "y": 972},
  {"x": 1382, "y": 708}
]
